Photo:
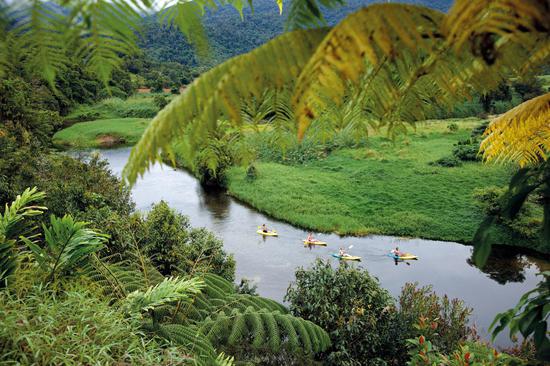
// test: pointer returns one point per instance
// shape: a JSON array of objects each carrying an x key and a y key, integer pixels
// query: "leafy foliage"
[
  {"x": 359, "y": 315},
  {"x": 521, "y": 135},
  {"x": 73, "y": 328},
  {"x": 530, "y": 317},
  {"x": 169, "y": 290},
  {"x": 13, "y": 229},
  {"x": 445, "y": 321},
  {"x": 67, "y": 244}
]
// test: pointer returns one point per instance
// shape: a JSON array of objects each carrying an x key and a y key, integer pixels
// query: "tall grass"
[
  {"x": 135, "y": 107},
  {"x": 74, "y": 328}
]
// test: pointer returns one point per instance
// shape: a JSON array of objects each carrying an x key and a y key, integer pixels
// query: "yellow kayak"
[
  {"x": 315, "y": 242},
  {"x": 269, "y": 233},
  {"x": 404, "y": 257},
  {"x": 346, "y": 257}
]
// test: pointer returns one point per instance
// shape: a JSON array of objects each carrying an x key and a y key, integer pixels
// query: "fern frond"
[
  {"x": 168, "y": 291},
  {"x": 42, "y": 33},
  {"x": 219, "y": 92},
  {"x": 190, "y": 338},
  {"x": 186, "y": 16},
  {"x": 366, "y": 40},
  {"x": 265, "y": 330},
  {"x": 406, "y": 61},
  {"x": 521, "y": 135},
  {"x": 304, "y": 14},
  {"x": 468, "y": 22},
  {"x": 103, "y": 36}
]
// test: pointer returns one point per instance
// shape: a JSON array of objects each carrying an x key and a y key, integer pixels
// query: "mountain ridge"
[{"x": 229, "y": 36}]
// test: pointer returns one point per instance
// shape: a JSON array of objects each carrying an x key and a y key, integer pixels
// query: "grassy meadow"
[
  {"x": 102, "y": 133},
  {"x": 384, "y": 188}
]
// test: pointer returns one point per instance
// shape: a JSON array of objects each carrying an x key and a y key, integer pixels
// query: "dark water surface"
[{"x": 271, "y": 262}]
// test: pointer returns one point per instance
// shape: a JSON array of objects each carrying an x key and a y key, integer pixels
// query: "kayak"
[
  {"x": 315, "y": 242},
  {"x": 404, "y": 257},
  {"x": 269, "y": 233},
  {"x": 346, "y": 257}
]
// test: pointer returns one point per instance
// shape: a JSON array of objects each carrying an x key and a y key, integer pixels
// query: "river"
[{"x": 271, "y": 262}]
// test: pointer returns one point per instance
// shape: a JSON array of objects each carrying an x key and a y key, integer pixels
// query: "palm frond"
[
  {"x": 521, "y": 135},
  {"x": 219, "y": 92}
]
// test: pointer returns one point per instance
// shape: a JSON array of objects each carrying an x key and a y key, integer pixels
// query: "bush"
[
  {"x": 175, "y": 248},
  {"x": 526, "y": 224},
  {"x": 452, "y": 127},
  {"x": 160, "y": 101},
  {"x": 74, "y": 328},
  {"x": 446, "y": 320},
  {"x": 447, "y": 162},
  {"x": 467, "y": 152},
  {"x": 350, "y": 304},
  {"x": 251, "y": 173}
]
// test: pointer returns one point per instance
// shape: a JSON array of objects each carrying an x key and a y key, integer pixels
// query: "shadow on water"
[
  {"x": 271, "y": 262},
  {"x": 215, "y": 200},
  {"x": 508, "y": 264}
]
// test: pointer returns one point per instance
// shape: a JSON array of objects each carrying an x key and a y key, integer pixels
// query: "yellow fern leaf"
[
  {"x": 219, "y": 92},
  {"x": 520, "y": 135},
  {"x": 377, "y": 35}
]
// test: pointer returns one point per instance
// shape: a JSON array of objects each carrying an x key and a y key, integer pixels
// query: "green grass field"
[
  {"x": 101, "y": 133},
  {"x": 384, "y": 188}
]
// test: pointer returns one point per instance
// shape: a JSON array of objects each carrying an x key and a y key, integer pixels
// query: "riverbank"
[
  {"x": 385, "y": 188},
  {"x": 104, "y": 133}
]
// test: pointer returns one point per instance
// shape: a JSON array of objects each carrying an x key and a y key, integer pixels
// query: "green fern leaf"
[{"x": 219, "y": 91}]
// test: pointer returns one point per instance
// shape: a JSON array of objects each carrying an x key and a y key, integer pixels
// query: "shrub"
[
  {"x": 350, "y": 304},
  {"x": 452, "y": 127},
  {"x": 448, "y": 319},
  {"x": 160, "y": 101},
  {"x": 447, "y": 162},
  {"x": 251, "y": 173},
  {"x": 467, "y": 152},
  {"x": 175, "y": 248}
]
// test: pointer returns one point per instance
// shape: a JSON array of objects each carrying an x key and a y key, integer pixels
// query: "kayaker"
[
  {"x": 342, "y": 252},
  {"x": 396, "y": 252},
  {"x": 264, "y": 228},
  {"x": 310, "y": 238}
]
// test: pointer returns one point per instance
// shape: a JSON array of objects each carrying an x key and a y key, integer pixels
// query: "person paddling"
[
  {"x": 264, "y": 228},
  {"x": 310, "y": 238},
  {"x": 396, "y": 252},
  {"x": 342, "y": 252}
]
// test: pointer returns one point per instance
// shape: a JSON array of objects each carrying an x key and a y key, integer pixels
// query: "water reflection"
[
  {"x": 215, "y": 200},
  {"x": 506, "y": 264}
]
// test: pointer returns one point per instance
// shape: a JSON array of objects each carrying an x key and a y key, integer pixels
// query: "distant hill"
[{"x": 229, "y": 36}]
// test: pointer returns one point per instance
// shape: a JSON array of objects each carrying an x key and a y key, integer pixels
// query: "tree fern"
[{"x": 520, "y": 135}]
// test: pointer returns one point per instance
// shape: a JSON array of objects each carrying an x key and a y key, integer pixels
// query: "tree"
[{"x": 359, "y": 315}]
